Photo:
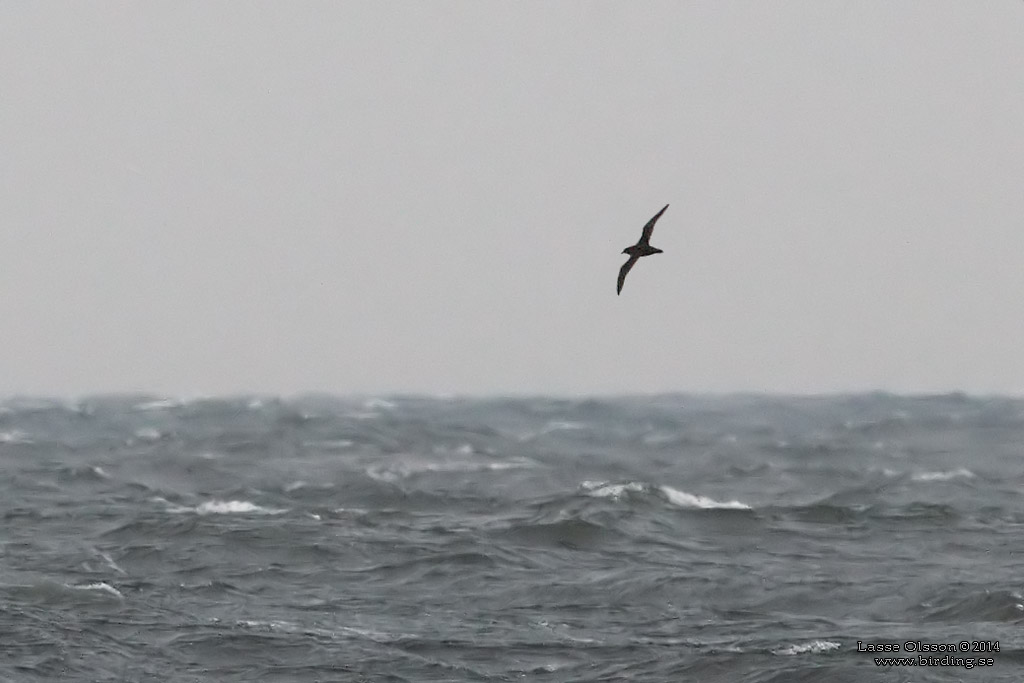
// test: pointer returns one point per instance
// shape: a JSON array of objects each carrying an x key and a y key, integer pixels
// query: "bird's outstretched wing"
[
  {"x": 625, "y": 269},
  {"x": 649, "y": 228}
]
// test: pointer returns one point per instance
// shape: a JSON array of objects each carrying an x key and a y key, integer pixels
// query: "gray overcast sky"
[{"x": 214, "y": 197}]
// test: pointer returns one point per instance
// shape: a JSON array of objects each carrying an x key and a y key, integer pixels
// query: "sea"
[{"x": 868, "y": 537}]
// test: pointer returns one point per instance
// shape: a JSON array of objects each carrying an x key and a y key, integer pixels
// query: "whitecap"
[
  {"x": 385, "y": 474},
  {"x": 561, "y": 631},
  {"x": 219, "y": 507},
  {"x": 147, "y": 434},
  {"x": 351, "y": 511},
  {"x": 407, "y": 468},
  {"x": 813, "y": 647},
  {"x": 330, "y": 444},
  {"x": 159, "y": 404},
  {"x": 281, "y": 626},
  {"x": 110, "y": 563},
  {"x": 228, "y": 507},
  {"x": 372, "y": 403},
  {"x": 371, "y": 634},
  {"x": 561, "y": 426},
  {"x": 302, "y": 484},
  {"x": 101, "y": 586},
  {"x": 15, "y": 436},
  {"x": 945, "y": 475},
  {"x": 602, "y": 489},
  {"x": 275, "y": 625},
  {"x": 660, "y": 438},
  {"x": 689, "y": 500},
  {"x": 461, "y": 449}
]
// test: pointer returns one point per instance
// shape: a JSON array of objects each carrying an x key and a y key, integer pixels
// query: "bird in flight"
[{"x": 641, "y": 248}]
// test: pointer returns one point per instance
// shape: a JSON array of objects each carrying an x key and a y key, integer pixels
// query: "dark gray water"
[{"x": 669, "y": 538}]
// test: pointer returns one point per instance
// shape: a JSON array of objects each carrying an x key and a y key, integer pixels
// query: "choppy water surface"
[{"x": 663, "y": 538}]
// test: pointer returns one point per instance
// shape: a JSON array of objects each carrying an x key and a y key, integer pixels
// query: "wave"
[
  {"x": 16, "y": 436},
  {"x": 82, "y": 473},
  {"x": 403, "y": 469},
  {"x": 100, "y": 586},
  {"x": 302, "y": 484},
  {"x": 159, "y": 404},
  {"x": 944, "y": 475},
  {"x": 223, "y": 507},
  {"x": 683, "y": 499},
  {"x": 337, "y": 632},
  {"x": 599, "y": 489},
  {"x": 576, "y": 534},
  {"x": 814, "y": 647},
  {"x": 49, "y": 591},
  {"x": 377, "y": 403},
  {"x": 147, "y": 434},
  {"x": 977, "y": 605}
]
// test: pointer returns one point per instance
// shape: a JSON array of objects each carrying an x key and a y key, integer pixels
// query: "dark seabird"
[{"x": 641, "y": 248}]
